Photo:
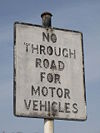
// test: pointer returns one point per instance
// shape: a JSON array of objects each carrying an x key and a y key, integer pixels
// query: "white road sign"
[{"x": 48, "y": 73}]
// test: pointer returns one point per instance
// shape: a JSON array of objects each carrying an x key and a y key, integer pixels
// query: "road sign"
[{"x": 48, "y": 73}]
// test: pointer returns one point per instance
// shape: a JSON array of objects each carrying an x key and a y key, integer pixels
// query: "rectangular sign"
[{"x": 48, "y": 73}]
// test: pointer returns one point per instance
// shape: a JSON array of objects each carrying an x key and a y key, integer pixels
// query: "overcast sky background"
[{"x": 81, "y": 15}]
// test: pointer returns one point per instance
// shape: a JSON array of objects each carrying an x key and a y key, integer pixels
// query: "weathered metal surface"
[
  {"x": 46, "y": 19},
  {"x": 48, "y": 73}
]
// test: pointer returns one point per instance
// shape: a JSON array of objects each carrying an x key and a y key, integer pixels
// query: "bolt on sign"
[{"x": 48, "y": 73}]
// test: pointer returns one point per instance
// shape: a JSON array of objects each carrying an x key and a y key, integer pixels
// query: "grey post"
[
  {"x": 46, "y": 23},
  {"x": 46, "y": 19}
]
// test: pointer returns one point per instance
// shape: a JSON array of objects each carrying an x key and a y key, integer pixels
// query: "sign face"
[{"x": 48, "y": 73}]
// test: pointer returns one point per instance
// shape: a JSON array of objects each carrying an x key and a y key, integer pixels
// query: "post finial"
[{"x": 46, "y": 19}]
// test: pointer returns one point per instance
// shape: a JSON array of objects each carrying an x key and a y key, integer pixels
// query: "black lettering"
[
  {"x": 53, "y": 38},
  {"x": 35, "y": 48},
  {"x": 35, "y": 91},
  {"x": 54, "y": 109},
  {"x": 53, "y": 65},
  {"x": 44, "y": 91},
  {"x": 67, "y": 108},
  {"x": 45, "y": 36},
  {"x": 43, "y": 105},
  {"x": 49, "y": 50},
  {"x": 59, "y": 92},
  {"x": 27, "y": 44},
  {"x": 61, "y": 66},
  {"x": 72, "y": 53},
  {"x": 59, "y": 51},
  {"x": 65, "y": 52},
  {"x": 42, "y": 49},
  {"x": 42, "y": 76},
  {"x": 46, "y": 63},
  {"x": 50, "y": 77},
  {"x": 27, "y": 104},
  {"x": 38, "y": 62},
  {"x": 75, "y": 109},
  {"x": 66, "y": 93},
  {"x": 60, "y": 109},
  {"x": 35, "y": 104},
  {"x": 57, "y": 78},
  {"x": 52, "y": 91},
  {"x": 48, "y": 106}
]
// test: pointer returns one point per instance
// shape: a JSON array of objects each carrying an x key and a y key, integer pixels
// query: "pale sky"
[{"x": 79, "y": 15}]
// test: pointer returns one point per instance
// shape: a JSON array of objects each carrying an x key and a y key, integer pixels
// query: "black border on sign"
[{"x": 14, "y": 72}]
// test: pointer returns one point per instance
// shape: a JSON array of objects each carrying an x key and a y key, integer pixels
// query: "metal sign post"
[
  {"x": 48, "y": 126},
  {"x": 46, "y": 22}
]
